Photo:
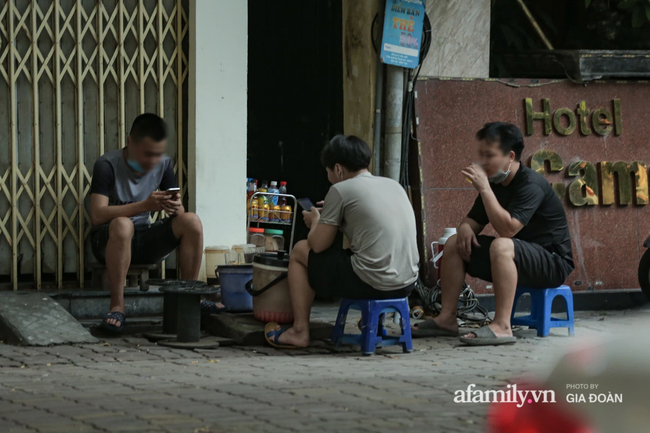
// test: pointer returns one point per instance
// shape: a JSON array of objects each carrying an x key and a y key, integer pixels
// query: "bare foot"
[
  {"x": 499, "y": 330},
  {"x": 293, "y": 337}
]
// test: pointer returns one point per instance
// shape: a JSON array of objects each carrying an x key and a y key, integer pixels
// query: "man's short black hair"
[
  {"x": 506, "y": 134},
  {"x": 348, "y": 150},
  {"x": 148, "y": 125}
]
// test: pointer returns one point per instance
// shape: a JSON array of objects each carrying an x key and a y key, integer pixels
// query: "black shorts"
[
  {"x": 331, "y": 274},
  {"x": 536, "y": 266},
  {"x": 150, "y": 244}
]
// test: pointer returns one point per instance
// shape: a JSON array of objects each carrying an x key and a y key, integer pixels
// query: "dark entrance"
[{"x": 295, "y": 92}]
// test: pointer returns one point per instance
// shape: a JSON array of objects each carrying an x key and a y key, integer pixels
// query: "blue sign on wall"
[{"x": 403, "y": 23}]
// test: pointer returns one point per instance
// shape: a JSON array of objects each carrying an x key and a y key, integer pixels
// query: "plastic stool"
[
  {"x": 372, "y": 324},
  {"x": 541, "y": 303}
]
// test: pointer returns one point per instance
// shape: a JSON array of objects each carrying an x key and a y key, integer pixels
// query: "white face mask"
[{"x": 500, "y": 175}]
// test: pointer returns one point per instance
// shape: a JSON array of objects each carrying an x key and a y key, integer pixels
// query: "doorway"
[{"x": 295, "y": 92}]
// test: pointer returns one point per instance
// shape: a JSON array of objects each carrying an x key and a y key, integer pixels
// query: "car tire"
[{"x": 644, "y": 273}]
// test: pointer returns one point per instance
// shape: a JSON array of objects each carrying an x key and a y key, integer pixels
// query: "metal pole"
[
  {"x": 379, "y": 101},
  {"x": 536, "y": 26},
  {"x": 394, "y": 108},
  {"x": 379, "y": 96}
]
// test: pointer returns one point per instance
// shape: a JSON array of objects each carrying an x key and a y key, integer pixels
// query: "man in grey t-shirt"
[
  {"x": 376, "y": 216},
  {"x": 124, "y": 192}
]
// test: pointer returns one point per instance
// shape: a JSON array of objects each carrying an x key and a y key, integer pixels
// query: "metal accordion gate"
[{"x": 73, "y": 76}]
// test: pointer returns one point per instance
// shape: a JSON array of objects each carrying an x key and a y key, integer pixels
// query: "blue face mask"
[{"x": 135, "y": 165}]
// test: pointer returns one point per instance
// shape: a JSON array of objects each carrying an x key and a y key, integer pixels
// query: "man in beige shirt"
[{"x": 376, "y": 216}]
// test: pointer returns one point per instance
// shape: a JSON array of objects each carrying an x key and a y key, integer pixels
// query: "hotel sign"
[
  {"x": 632, "y": 178},
  {"x": 565, "y": 120}
]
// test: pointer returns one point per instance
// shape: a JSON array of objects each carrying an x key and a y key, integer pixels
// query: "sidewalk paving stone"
[{"x": 127, "y": 384}]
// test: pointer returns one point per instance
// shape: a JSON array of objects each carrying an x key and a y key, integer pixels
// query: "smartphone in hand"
[
  {"x": 175, "y": 192},
  {"x": 305, "y": 203}
]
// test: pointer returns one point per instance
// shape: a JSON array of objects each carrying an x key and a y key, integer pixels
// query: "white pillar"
[{"x": 218, "y": 65}]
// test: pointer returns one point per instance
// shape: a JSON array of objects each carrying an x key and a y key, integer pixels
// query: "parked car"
[{"x": 644, "y": 270}]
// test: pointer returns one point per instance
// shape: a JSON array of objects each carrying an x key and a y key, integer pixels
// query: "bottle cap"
[
  {"x": 273, "y": 232},
  {"x": 274, "y": 183},
  {"x": 283, "y": 183},
  {"x": 255, "y": 230}
]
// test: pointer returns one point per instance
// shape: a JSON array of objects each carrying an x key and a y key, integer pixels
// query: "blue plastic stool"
[
  {"x": 372, "y": 324},
  {"x": 541, "y": 303}
]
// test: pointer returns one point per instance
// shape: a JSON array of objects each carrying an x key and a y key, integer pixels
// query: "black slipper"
[
  {"x": 116, "y": 315},
  {"x": 429, "y": 328},
  {"x": 209, "y": 307}
]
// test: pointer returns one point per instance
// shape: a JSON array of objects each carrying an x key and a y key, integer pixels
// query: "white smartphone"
[{"x": 176, "y": 192}]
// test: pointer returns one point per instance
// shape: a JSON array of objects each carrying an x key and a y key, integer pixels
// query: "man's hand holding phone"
[
  {"x": 156, "y": 201},
  {"x": 173, "y": 204},
  {"x": 311, "y": 217},
  {"x": 311, "y": 213}
]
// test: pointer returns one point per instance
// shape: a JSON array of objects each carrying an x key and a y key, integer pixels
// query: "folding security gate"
[{"x": 73, "y": 76}]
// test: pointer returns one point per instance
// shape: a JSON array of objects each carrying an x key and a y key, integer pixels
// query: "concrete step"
[{"x": 94, "y": 304}]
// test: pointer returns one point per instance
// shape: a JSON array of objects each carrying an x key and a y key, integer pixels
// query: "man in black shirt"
[{"x": 533, "y": 248}]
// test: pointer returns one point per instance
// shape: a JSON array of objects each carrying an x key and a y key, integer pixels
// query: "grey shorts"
[
  {"x": 536, "y": 266},
  {"x": 150, "y": 244}
]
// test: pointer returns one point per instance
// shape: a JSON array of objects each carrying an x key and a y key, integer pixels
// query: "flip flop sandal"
[
  {"x": 118, "y": 317},
  {"x": 272, "y": 334},
  {"x": 486, "y": 337},
  {"x": 429, "y": 328},
  {"x": 209, "y": 307}
]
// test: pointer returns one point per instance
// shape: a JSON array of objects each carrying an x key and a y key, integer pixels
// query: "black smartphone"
[{"x": 305, "y": 203}]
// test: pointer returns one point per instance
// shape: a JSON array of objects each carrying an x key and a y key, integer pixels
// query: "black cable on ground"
[{"x": 469, "y": 308}]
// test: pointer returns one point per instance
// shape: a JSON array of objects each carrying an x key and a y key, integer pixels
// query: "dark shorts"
[
  {"x": 150, "y": 244},
  {"x": 331, "y": 274},
  {"x": 536, "y": 266}
]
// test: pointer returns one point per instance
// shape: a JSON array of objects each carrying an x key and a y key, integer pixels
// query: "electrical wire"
[
  {"x": 409, "y": 106},
  {"x": 407, "y": 120}
]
